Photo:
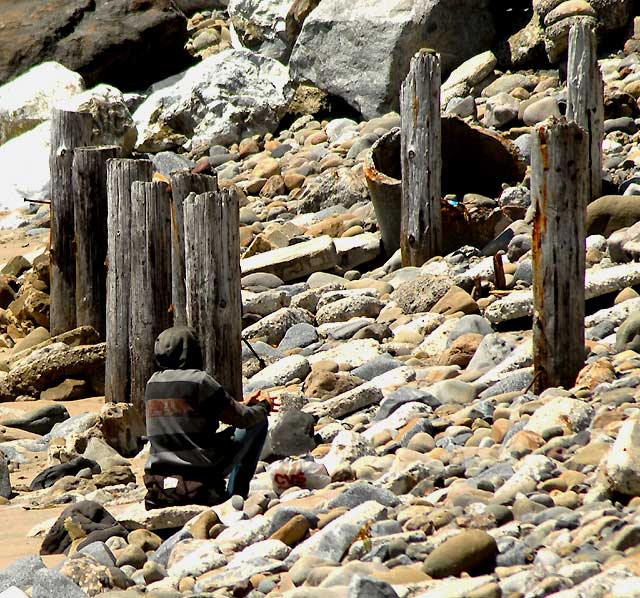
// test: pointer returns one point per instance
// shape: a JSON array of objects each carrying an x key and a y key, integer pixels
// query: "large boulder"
[
  {"x": 26, "y": 101},
  {"x": 269, "y": 27},
  {"x": 610, "y": 213},
  {"x": 127, "y": 43},
  {"x": 367, "y": 70},
  {"x": 24, "y": 160},
  {"x": 226, "y": 97}
]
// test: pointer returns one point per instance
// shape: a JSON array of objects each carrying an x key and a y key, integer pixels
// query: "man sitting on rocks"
[{"x": 190, "y": 458}]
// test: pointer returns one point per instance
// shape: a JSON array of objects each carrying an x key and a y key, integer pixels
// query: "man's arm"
[{"x": 242, "y": 416}]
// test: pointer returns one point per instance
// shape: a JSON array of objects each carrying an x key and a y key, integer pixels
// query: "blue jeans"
[{"x": 246, "y": 446}]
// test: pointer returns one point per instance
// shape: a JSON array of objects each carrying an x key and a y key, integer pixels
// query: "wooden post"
[
  {"x": 560, "y": 192},
  {"x": 69, "y": 130},
  {"x": 150, "y": 279},
  {"x": 214, "y": 303},
  {"x": 585, "y": 103},
  {"x": 121, "y": 174},
  {"x": 90, "y": 214},
  {"x": 421, "y": 221},
  {"x": 183, "y": 183}
]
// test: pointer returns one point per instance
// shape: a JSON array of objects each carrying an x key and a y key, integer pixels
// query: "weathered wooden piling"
[
  {"x": 150, "y": 279},
  {"x": 183, "y": 183},
  {"x": 90, "y": 215},
  {"x": 121, "y": 174},
  {"x": 69, "y": 130},
  {"x": 421, "y": 222},
  {"x": 585, "y": 102},
  {"x": 560, "y": 192},
  {"x": 214, "y": 302}
]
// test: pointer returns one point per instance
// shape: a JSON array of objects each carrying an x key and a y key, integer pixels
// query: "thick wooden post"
[
  {"x": 69, "y": 130},
  {"x": 214, "y": 303},
  {"x": 121, "y": 174},
  {"x": 90, "y": 214},
  {"x": 183, "y": 183},
  {"x": 150, "y": 279},
  {"x": 585, "y": 103},
  {"x": 421, "y": 222},
  {"x": 560, "y": 191}
]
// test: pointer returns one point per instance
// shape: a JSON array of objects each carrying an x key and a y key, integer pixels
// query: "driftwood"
[
  {"x": 214, "y": 303},
  {"x": 69, "y": 130},
  {"x": 183, "y": 183},
  {"x": 560, "y": 191},
  {"x": 121, "y": 174},
  {"x": 90, "y": 214},
  {"x": 585, "y": 101},
  {"x": 421, "y": 221},
  {"x": 150, "y": 279}
]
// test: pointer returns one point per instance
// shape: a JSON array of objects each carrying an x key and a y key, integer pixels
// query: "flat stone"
[{"x": 295, "y": 261}]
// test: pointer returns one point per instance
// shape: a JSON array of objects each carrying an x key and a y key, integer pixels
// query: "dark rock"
[
  {"x": 21, "y": 573},
  {"x": 293, "y": 434},
  {"x": 368, "y": 587},
  {"x": 377, "y": 331},
  {"x": 347, "y": 330},
  {"x": 626, "y": 124},
  {"x": 5, "y": 480},
  {"x": 129, "y": 44},
  {"x": 52, "y": 474},
  {"x": 48, "y": 583},
  {"x": 39, "y": 421}
]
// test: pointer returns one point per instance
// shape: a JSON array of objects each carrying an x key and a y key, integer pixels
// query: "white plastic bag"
[{"x": 303, "y": 473}]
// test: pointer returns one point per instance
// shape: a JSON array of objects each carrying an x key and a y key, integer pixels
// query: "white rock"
[
  {"x": 295, "y": 261},
  {"x": 620, "y": 470},
  {"x": 397, "y": 419},
  {"x": 13, "y": 592},
  {"x": 436, "y": 343},
  {"x": 533, "y": 468},
  {"x": 136, "y": 516},
  {"x": 273, "y": 549},
  {"x": 357, "y": 250},
  {"x": 24, "y": 164},
  {"x": 242, "y": 534},
  {"x": 112, "y": 121},
  {"x": 424, "y": 324},
  {"x": 354, "y": 353},
  {"x": 570, "y": 414},
  {"x": 472, "y": 71},
  {"x": 349, "y": 307},
  {"x": 455, "y": 588},
  {"x": 280, "y": 373},
  {"x": 332, "y": 541},
  {"x": 346, "y": 447},
  {"x": 204, "y": 557},
  {"x": 26, "y": 101},
  {"x": 228, "y": 96},
  {"x": 616, "y": 314}
]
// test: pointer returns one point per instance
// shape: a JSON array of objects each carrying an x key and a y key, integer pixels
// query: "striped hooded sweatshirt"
[{"x": 184, "y": 407}]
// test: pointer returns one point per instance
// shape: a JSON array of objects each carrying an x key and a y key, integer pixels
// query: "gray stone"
[
  {"x": 226, "y": 97},
  {"x": 100, "y": 552},
  {"x": 377, "y": 366},
  {"x": 48, "y": 583},
  {"x": 349, "y": 307},
  {"x": 292, "y": 434},
  {"x": 359, "y": 492},
  {"x": 347, "y": 330},
  {"x": 162, "y": 554},
  {"x": 517, "y": 380},
  {"x": 523, "y": 143},
  {"x": 540, "y": 110},
  {"x": 507, "y": 83},
  {"x": 21, "y": 573},
  {"x": 5, "y": 480},
  {"x": 299, "y": 336},
  {"x": 280, "y": 373},
  {"x": 518, "y": 246},
  {"x": 261, "y": 279},
  {"x": 264, "y": 303},
  {"x": 524, "y": 271},
  {"x": 501, "y": 109},
  {"x": 39, "y": 421},
  {"x": 628, "y": 334},
  {"x": 469, "y": 324},
  {"x": 329, "y": 48},
  {"x": 368, "y": 587},
  {"x": 274, "y": 326},
  {"x": 493, "y": 349},
  {"x": 342, "y": 186},
  {"x": 402, "y": 396},
  {"x": 421, "y": 294},
  {"x": 168, "y": 162}
]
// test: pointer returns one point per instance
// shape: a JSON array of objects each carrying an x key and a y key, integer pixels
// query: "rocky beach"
[{"x": 411, "y": 456}]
